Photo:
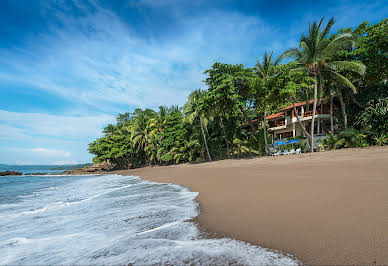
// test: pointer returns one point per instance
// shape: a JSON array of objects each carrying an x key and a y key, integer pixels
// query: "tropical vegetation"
[{"x": 228, "y": 118}]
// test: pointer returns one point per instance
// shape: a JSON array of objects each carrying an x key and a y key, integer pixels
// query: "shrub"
[
  {"x": 373, "y": 119},
  {"x": 349, "y": 138},
  {"x": 199, "y": 160},
  {"x": 167, "y": 158},
  {"x": 353, "y": 138},
  {"x": 331, "y": 142},
  {"x": 381, "y": 140}
]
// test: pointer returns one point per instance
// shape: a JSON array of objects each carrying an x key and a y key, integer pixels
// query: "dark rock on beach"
[
  {"x": 39, "y": 173},
  {"x": 91, "y": 169},
  {"x": 10, "y": 173}
]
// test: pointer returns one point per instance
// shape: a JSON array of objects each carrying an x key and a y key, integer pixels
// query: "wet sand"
[{"x": 324, "y": 208}]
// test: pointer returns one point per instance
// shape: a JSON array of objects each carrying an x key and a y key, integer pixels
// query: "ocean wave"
[{"x": 126, "y": 220}]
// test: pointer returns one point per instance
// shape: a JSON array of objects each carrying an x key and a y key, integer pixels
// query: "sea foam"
[{"x": 112, "y": 219}]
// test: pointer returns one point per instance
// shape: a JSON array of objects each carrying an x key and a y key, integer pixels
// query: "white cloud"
[
  {"x": 40, "y": 155},
  {"x": 19, "y": 126},
  {"x": 45, "y": 139},
  {"x": 50, "y": 153},
  {"x": 62, "y": 162},
  {"x": 97, "y": 59}
]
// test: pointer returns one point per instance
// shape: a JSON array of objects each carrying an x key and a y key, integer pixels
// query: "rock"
[
  {"x": 38, "y": 173},
  {"x": 10, "y": 173},
  {"x": 92, "y": 169}
]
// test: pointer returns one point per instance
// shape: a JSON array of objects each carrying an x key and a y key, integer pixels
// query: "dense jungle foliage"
[{"x": 227, "y": 119}]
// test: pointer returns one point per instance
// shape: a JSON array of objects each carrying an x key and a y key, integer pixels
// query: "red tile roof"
[
  {"x": 296, "y": 105},
  {"x": 281, "y": 114}
]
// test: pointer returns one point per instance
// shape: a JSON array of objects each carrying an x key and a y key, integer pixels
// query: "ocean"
[
  {"x": 31, "y": 169},
  {"x": 110, "y": 219}
]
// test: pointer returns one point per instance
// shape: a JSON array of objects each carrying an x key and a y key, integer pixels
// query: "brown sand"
[{"x": 324, "y": 208}]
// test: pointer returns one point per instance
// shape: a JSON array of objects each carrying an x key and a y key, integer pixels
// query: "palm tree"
[
  {"x": 143, "y": 124},
  {"x": 192, "y": 109},
  {"x": 151, "y": 151},
  {"x": 314, "y": 56},
  {"x": 186, "y": 151},
  {"x": 265, "y": 71}
]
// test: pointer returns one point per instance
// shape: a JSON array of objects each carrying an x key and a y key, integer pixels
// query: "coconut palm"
[
  {"x": 314, "y": 56},
  {"x": 265, "y": 71},
  {"x": 141, "y": 127},
  {"x": 187, "y": 151},
  {"x": 193, "y": 111}
]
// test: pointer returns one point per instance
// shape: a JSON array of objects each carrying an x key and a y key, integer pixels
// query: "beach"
[{"x": 324, "y": 208}]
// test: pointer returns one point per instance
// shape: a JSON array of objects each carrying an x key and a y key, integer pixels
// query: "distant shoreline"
[{"x": 323, "y": 208}]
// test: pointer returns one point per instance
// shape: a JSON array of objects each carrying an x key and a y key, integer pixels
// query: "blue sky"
[{"x": 68, "y": 67}]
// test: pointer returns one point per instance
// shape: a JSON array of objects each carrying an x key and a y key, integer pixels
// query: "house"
[{"x": 284, "y": 124}]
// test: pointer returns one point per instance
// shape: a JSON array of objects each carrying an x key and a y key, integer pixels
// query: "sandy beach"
[{"x": 324, "y": 208}]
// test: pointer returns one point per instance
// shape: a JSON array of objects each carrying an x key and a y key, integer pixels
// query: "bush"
[
  {"x": 168, "y": 157},
  {"x": 349, "y": 138},
  {"x": 381, "y": 140},
  {"x": 373, "y": 119},
  {"x": 353, "y": 138},
  {"x": 331, "y": 142},
  {"x": 199, "y": 160}
]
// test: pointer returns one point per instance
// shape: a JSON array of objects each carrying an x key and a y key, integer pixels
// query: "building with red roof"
[{"x": 285, "y": 124}]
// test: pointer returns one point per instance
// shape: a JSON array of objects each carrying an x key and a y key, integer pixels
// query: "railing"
[
  {"x": 310, "y": 113},
  {"x": 281, "y": 123}
]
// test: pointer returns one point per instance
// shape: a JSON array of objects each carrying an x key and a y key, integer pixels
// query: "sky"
[{"x": 68, "y": 67}]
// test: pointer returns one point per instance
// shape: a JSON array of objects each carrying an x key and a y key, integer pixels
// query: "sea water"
[{"x": 110, "y": 219}]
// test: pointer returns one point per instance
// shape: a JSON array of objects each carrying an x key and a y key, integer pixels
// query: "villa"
[{"x": 284, "y": 124}]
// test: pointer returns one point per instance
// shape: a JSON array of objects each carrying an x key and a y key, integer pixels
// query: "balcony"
[
  {"x": 310, "y": 113},
  {"x": 281, "y": 123},
  {"x": 276, "y": 125}
]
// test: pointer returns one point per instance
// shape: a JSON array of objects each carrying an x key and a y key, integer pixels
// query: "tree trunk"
[
  {"x": 356, "y": 102},
  {"x": 300, "y": 122},
  {"x": 343, "y": 108},
  {"x": 226, "y": 140},
  {"x": 331, "y": 115},
  {"x": 313, "y": 115},
  {"x": 204, "y": 139},
  {"x": 248, "y": 120},
  {"x": 267, "y": 150}
]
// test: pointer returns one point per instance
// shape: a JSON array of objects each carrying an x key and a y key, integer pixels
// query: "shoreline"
[{"x": 322, "y": 208}]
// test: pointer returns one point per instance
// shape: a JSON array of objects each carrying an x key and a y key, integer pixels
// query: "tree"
[
  {"x": 292, "y": 85},
  {"x": 193, "y": 110},
  {"x": 372, "y": 50},
  {"x": 314, "y": 54},
  {"x": 109, "y": 129},
  {"x": 140, "y": 127},
  {"x": 373, "y": 119},
  {"x": 266, "y": 70},
  {"x": 231, "y": 88}
]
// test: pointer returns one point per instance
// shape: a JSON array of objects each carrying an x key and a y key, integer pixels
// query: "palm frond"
[
  {"x": 343, "y": 80},
  {"x": 291, "y": 53},
  {"x": 301, "y": 69},
  {"x": 326, "y": 30},
  {"x": 347, "y": 65},
  {"x": 343, "y": 40}
]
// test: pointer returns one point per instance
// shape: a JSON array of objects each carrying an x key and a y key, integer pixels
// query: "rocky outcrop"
[
  {"x": 91, "y": 169},
  {"x": 39, "y": 173},
  {"x": 10, "y": 173}
]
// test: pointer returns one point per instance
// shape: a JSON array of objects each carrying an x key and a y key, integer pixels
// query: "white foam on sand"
[{"x": 112, "y": 219}]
